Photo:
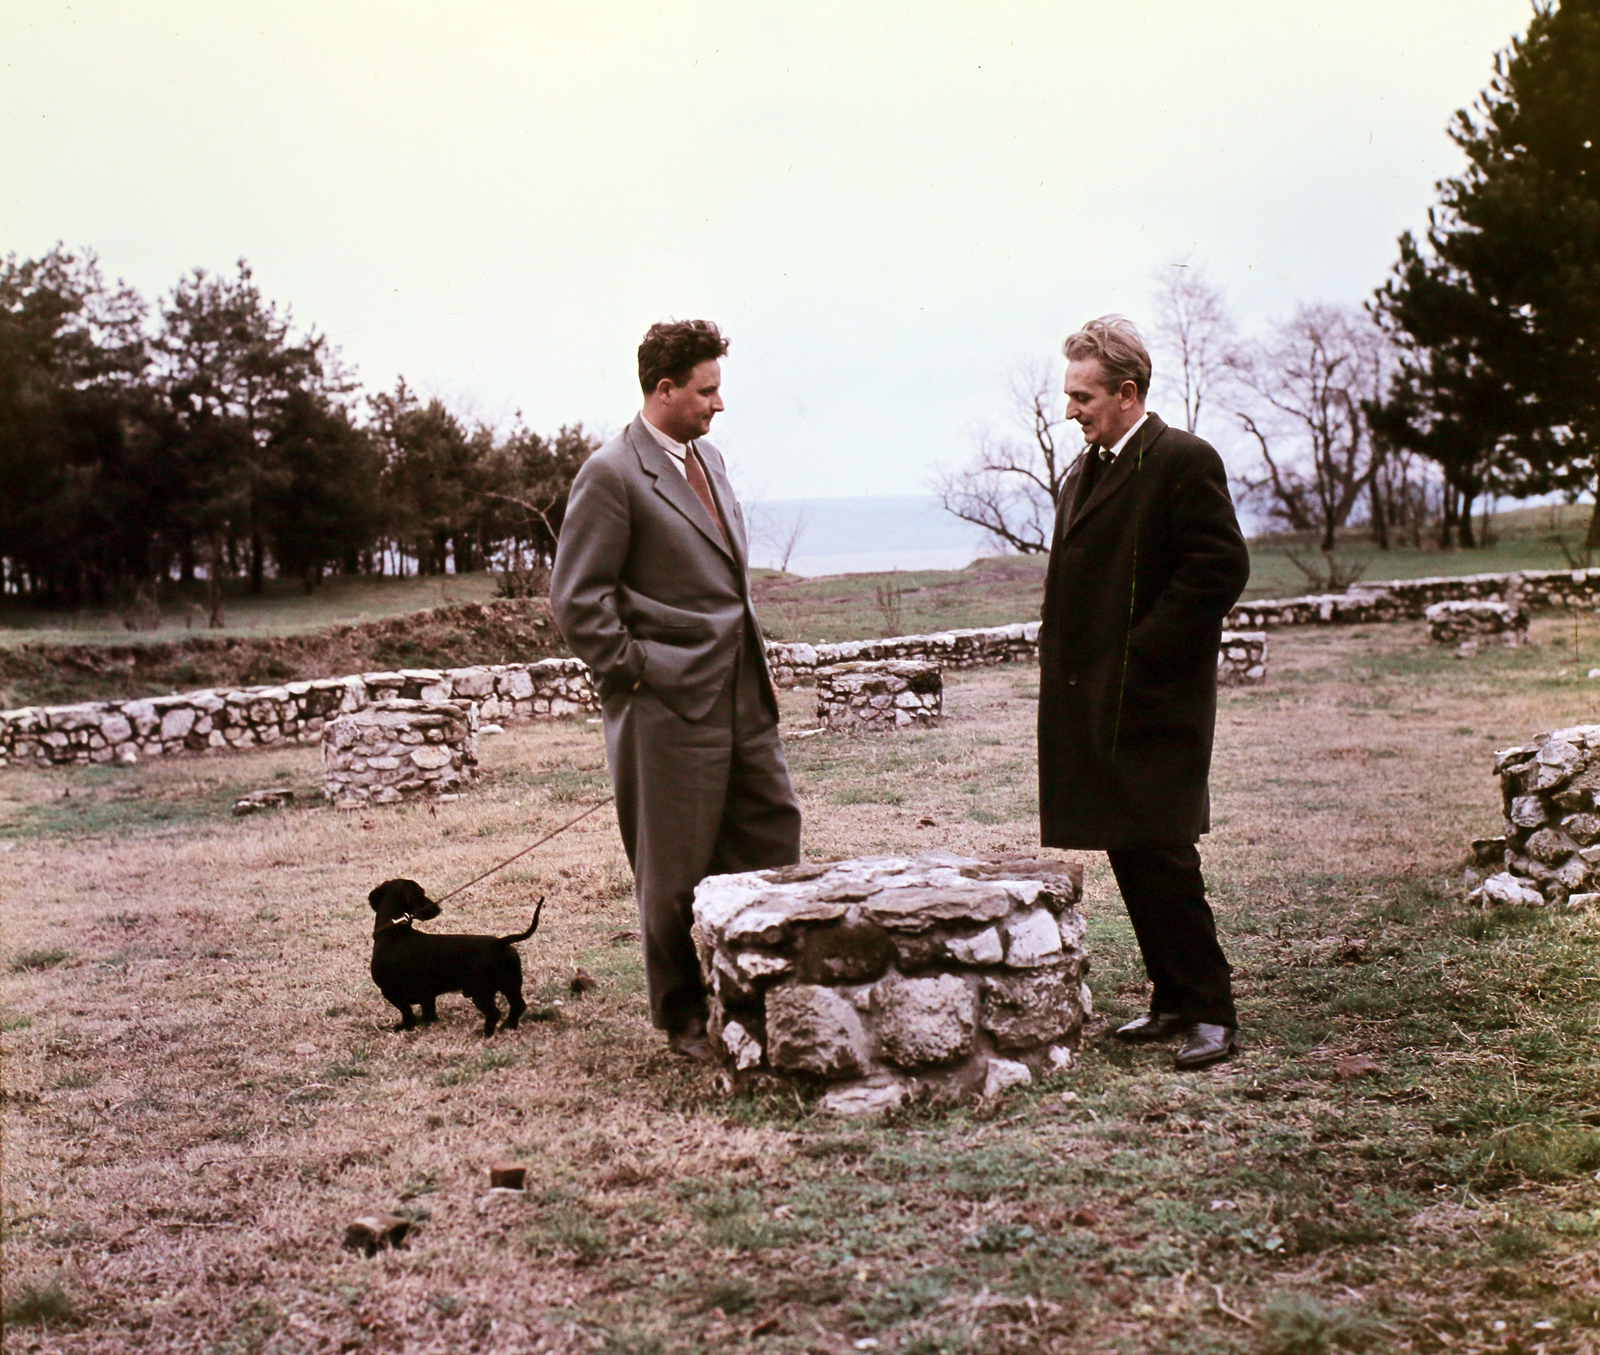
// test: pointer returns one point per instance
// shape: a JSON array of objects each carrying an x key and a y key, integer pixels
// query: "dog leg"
[
  {"x": 407, "y": 1021},
  {"x": 485, "y": 1003},
  {"x": 516, "y": 1004},
  {"x": 429, "y": 1016}
]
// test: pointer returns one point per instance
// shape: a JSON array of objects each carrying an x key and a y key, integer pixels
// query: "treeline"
[{"x": 206, "y": 439}]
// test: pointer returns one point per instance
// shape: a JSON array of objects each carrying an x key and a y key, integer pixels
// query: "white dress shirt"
[
  {"x": 676, "y": 451},
  {"x": 1104, "y": 454}
]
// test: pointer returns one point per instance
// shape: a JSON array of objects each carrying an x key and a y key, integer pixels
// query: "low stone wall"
[
  {"x": 1409, "y": 599},
  {"x": 869, "y": 698},
  {"x": 1243, "y": 657},
  {"x": 795, "y": 665},
  {"x": 1469, "y": 624},
  {"x": 194, "y": 723},
  {"x": 1551, "y": 847},
  {"x": 217, "y": 721},
  {"x": 881, "y": 977},
  {"x": 398, "y": 750}
]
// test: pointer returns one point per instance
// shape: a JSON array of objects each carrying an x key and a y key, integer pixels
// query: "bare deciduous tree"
[
  {"x": 783, "y": 537},
  {"x": 1197, "y": 336},
  {"x": 1011, "y": 486},
  {"x": 1302, "y": 391}
]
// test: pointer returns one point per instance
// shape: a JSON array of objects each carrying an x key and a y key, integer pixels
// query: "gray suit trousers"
[{"x": 696, "y": 798}]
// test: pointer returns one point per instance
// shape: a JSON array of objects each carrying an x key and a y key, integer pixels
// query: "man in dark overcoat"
[
  {"x": 650, "y": 589},
  {"x": 1145, "y": 561}
]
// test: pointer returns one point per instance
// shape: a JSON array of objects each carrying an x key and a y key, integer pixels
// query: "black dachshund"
[{"x": 411, "y": 966}]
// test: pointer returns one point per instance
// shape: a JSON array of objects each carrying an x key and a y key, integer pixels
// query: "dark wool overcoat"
[{"x": 1138, "y": 585}]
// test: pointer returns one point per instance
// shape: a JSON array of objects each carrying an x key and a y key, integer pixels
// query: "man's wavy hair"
[
  {"x": 1114, "y": 341},
  {"x": 674, "y": 348}
]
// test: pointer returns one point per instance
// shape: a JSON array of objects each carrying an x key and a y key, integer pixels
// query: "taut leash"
[{"x": 555, "y": 832}]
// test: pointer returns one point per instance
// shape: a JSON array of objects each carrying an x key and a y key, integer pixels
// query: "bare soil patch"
[{"x": 201, "y": 1089}]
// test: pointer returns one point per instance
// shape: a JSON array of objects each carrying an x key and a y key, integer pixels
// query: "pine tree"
[{"x": 1498, "y": 314}]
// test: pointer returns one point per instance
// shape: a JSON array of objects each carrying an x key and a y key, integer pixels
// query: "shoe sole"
[{"x": 1187, "y": 1065}]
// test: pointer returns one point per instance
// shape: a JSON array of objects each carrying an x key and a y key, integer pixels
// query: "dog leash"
[{"x": 555, "y": 832}]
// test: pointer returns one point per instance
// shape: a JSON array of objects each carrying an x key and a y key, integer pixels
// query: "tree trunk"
[
  {"x": 258, "y": 561},
  {"x": 1380, "y": 516},
  {"x": 1464, "y": 521}
]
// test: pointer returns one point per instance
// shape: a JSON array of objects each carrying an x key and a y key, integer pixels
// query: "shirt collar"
[
  {"x": 1123, "y": 440},
  {"x": 668, "y": 445}
]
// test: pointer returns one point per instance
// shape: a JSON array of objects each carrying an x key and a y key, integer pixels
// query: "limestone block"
[
  {"x": 431, "y": 756},
  {"x": 176, "y": 723},
  {"x": 1004, "y": 1073},
  {"x": 1023, "y": 1011},
  {"x": 982, "y": 949},
  {"x": 116, "y": 728},
  {"x": 743, "y": 1048},
  {"x": 812, "y": 1029},
  {"x": 924, "y": 1021},
  {"x": 1505, "y": 888},
  {"x": 874, "y": 1097},
  {"x": 1033, "y": 939},
  {"x": 473, "y": 682}
]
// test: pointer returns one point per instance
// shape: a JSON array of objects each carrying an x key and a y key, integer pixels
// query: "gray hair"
[{"x": 1113, "y": 341}]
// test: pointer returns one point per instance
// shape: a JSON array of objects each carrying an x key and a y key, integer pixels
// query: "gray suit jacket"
[{"x": 643, "y": 586}]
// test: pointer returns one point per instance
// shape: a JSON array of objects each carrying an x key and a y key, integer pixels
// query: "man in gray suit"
[{"x": 650, "y": 589}]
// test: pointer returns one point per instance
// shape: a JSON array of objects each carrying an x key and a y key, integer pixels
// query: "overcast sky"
[{"x": 885, "y": 206}]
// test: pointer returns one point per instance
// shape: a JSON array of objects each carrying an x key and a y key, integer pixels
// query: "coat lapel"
[
  {"x": 671, "y": 486},
  {"x": 1122, "y": 469}
]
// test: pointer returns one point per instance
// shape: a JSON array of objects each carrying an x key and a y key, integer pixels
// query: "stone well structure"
[
  {"x": 1550, "y": 851},
  {"x": 867, "y": 698},
  {"x": 1477, "y": 623},
  {"x": 881, "y": 976},
  {"x": 1242, "y": 659},
  {"x": 394, "y": 750}
]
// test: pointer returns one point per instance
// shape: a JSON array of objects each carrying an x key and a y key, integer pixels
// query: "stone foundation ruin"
[
  {"x": 1471, "y": 624},
  {"x": 884, "y": 977},
  {"x": 397, "y": 750},
  {"x": 1550, "y": 852},
  {"x": 867, "y": 698},
  {"x": 212, "y": 722}
]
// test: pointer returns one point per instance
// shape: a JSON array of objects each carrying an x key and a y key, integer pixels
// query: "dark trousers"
[
  {"x": 1166, "y": 900},
  {"x": 696, "y": 798}
]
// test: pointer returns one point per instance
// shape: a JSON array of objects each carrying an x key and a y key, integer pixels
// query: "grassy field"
[{"x": 201, "y": 1088}]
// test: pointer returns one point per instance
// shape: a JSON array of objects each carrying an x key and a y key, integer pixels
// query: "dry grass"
[{"x": 202, "y": 1089}]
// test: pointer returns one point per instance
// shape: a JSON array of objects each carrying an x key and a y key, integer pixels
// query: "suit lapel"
[
  {"x": 671, "y": 486},
  {"x": 1122, "y": 469}
]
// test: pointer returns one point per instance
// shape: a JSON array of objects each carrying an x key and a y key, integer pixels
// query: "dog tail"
[{"x": 532, "y": 926}]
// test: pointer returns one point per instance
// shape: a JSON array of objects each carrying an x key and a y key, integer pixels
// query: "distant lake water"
[{"x": 863, "y": 535}]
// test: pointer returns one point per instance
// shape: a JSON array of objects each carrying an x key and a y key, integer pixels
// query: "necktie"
[{"x": 702, "y": 487}]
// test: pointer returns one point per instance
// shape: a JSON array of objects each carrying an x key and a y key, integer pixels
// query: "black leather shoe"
[
  {"x": 1150, "y": 1027},
  {"x": 1205, "y": 1044},
  {"x": 690, "y": 1040}
]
